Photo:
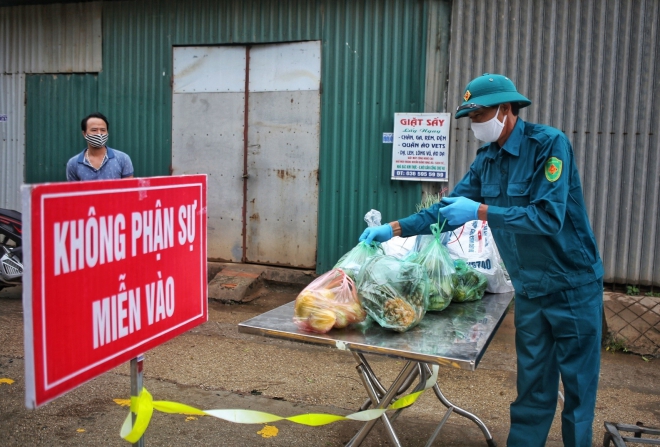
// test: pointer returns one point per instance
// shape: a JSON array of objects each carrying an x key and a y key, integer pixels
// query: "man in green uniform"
[{"x": 525, "y": 183}]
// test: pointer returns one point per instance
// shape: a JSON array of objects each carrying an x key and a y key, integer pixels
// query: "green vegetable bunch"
[
  {"x": 393, "y": 292},
  {"x": 440, "y": 269},
  {"x": 468, "y": 284}
]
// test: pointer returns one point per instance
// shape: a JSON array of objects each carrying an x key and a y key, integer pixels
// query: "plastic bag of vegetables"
[
  {"x": 352, "y": 262},
  {"x": 329, "y": 301},
  {"x": 439, "y": 266},
  {"x": 469, "y": 284},
  {"x": 393, "y": 292}
]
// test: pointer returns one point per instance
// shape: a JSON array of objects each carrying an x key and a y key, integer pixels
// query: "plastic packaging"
[
  {"x": 474, "y": 243},
  {"x": 330, "y": 301},
  {"x": 352, "y": 262},
  {"x": 393, "y": 292},
  {"x": 439, "y": 267},
  {"x": 469, "y": 284},
  {"x": 399, "y": 247}
]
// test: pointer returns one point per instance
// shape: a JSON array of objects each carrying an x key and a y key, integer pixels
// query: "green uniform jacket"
[{"x": 535, "y": 210}]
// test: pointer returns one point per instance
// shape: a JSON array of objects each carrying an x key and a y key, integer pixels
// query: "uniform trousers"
[{"x": 557, "y": 335}]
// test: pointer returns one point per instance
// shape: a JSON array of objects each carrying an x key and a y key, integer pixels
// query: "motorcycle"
[{"x": 11, "y": 248}]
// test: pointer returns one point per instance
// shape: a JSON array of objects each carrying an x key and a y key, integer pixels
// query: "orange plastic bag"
[{"x": 330, "y": 301}]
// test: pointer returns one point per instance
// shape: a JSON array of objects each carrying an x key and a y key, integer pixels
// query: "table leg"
[
  {"x": 429, "y": 443},
  {"x": 384, "y": 418},
  {"x": 464, "y": 413},
  {"x": 421, "y": 372},
  {"x": 379, "y": 388},
  {"x": 382, "y": 403},
  {"x": 372, "y": 376}
]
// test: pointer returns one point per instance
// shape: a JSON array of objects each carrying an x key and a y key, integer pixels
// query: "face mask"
[
  {"x": 97, "y": 140},
  {"x": 490, "y": 130}
]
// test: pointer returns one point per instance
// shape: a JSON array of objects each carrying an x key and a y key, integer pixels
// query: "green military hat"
[{"x": 489, "y": 90}]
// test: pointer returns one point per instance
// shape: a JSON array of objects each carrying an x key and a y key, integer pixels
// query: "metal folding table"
[{"x": 457, "y": 336}]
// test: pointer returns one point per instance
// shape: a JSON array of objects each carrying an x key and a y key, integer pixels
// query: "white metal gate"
[{"x": 249, "y": 117}]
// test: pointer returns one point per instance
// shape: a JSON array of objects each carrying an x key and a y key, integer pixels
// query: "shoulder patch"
[{"x": 553, "y": 169}]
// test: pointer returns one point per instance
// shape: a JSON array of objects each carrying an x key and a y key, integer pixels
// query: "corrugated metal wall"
[
  {"x": 373, "y": 59},
  {"x": 59, "y": 38},
  {"x": 55, "y": 106},
  {"x": 591, "y": 69},
  {"x": 437, "y": 55},
  {"x": 373, "y": 66},
  {"x": 12, "y": 139},
  {"x": 437, "y": 68}
]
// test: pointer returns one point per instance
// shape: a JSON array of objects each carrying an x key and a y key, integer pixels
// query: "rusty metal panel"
[
  {"x": 57, "y": 38},
  {"x": 282, "y": 192},
  {"x": 283, "y": 153},
  {"x": 209, "y": 69},
  {"x": 208, "y": 106},
  {"x": 282, "y": 149},
  {"x": 12, "y": 139},
  {"x": 591, "y": 70},
  {"x": 207, "y": 138},
  {"x": 286, "y": 67}
]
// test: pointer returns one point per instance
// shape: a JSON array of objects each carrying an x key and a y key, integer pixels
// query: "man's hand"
[
  {"x": 381, "y": 233},
  {"x": 458, "y": 210}
]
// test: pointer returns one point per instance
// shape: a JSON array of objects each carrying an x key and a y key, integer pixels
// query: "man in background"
[{"x": 98, "y": 161}]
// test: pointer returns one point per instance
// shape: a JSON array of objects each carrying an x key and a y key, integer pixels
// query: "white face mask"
[{"x": 490, "y": 130}]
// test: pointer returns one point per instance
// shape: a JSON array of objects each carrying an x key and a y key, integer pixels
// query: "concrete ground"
[{"x": 214, "y": 367}]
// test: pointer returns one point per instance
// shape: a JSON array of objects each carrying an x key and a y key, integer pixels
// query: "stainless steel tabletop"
[{"x": 457, "y": 336}]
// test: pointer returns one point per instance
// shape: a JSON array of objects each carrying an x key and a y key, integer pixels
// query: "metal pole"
[
  {"x": 137, "y": 365},
  {"x": 383, "y": 403}
]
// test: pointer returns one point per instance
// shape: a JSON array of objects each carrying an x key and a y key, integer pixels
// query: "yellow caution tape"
[{"x": 143, "y": 407}]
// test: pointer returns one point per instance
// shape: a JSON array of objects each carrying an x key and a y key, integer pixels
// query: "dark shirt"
[{"x": 535, "y": 209}]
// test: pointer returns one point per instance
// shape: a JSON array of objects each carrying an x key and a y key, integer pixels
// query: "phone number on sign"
[{"x": 399, "y": 173}]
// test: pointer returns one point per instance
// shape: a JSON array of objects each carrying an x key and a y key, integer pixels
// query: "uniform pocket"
[
  {"x": 518, "y": 193},
  {"x": 490, "y": 190},
  {"x": 517, "y": 189}
]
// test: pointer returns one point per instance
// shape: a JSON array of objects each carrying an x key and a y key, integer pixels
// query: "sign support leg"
[{"x": 137, "y": 365}]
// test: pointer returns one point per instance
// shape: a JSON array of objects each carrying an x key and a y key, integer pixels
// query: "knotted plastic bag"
[
  {"x": 399, "y": 247},
  {"x": 330, "y": 301},
  {"x": 352, "y": 262},
  {"x": 469, "y": 284},
  {"x": 439, "y": 267},
  {"x": 393, "y": 292}
]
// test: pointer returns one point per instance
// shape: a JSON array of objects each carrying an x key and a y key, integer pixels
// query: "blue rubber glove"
[
  {"x": 382, "y": 233},
  {"x": 458, "y": 210}
]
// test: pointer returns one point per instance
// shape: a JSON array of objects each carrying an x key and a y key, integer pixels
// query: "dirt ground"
[{"x": 214, "y": 367}]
